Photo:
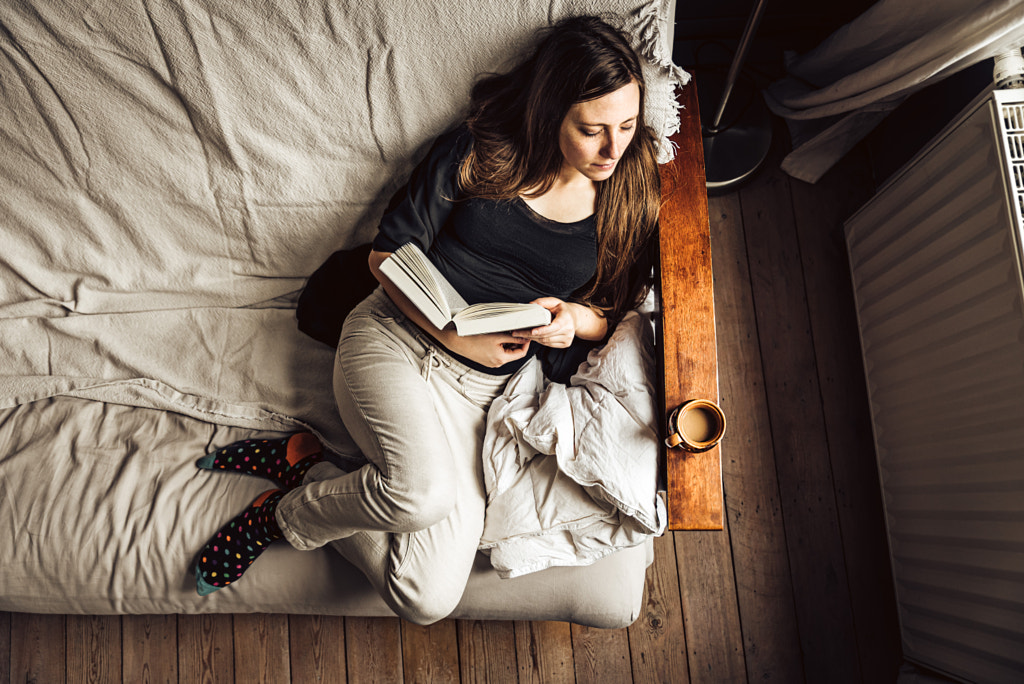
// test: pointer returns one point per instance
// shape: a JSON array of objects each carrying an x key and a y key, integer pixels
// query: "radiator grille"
[
  {"x": 937, "y": 277},
  {"x": 1013, "y": 137}
]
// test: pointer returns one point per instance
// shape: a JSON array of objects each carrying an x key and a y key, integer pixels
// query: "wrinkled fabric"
[
  {"x": 838, "y": 92},
  {"x": 171, "y": 172},
  {"x": 571, "y": 470}
]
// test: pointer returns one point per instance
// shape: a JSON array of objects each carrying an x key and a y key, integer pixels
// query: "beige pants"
[{"x": 411, "y": 519}]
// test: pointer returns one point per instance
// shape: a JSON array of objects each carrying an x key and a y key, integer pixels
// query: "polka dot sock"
[
  {"x": 285, "y": 461},
  {"x": 235, "y": 547}
]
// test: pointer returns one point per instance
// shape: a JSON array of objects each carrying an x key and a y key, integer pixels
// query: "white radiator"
[{"x": 936, "y": 263}]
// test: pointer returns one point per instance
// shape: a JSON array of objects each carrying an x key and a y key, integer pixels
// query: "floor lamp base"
[{"x": 740, "y": 146}]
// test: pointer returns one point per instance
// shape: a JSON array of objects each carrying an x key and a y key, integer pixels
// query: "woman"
[{"x": 548, "y": 193}]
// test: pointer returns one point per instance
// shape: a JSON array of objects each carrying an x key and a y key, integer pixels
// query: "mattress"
[{"x": 173, "y": 171}]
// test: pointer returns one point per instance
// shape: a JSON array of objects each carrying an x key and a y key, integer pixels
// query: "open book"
[{"x": 419, "y": 280}]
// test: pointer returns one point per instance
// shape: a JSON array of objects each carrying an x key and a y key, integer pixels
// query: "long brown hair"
[{"x": 515, "y": 118}]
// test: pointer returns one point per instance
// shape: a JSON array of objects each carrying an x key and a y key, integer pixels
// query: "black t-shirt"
[{"x": 490, "y": 251}]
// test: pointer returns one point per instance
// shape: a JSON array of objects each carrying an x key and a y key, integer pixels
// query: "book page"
[
  {"x": 447, "y": 298},
  {"x": 500, "y": 317},
  {"x": 413, "y": 273},
  {"x": 407, "y": 275}
]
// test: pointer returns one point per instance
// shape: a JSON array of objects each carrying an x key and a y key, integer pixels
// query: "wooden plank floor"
[{"x": 796, "y": 588}]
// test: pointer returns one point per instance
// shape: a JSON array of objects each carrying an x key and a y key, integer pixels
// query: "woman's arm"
[{"x": 492, "y": 350}]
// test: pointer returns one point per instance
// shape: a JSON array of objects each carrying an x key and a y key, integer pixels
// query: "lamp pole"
[{"x": 733, "y": 152}]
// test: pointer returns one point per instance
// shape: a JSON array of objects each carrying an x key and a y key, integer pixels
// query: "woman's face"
[{"x": 595, "y": 133}]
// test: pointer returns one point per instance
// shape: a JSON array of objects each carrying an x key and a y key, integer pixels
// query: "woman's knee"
[
  {"x": 427, "y": 596},
  {"x": 428, "y": 612},
  {"x": 421, "y": 503}
]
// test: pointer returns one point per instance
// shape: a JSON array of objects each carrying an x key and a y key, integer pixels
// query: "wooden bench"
[{"x": 693, "y": 482}]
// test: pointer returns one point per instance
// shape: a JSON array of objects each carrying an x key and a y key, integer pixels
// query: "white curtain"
[{"x": 837, "y": 93}]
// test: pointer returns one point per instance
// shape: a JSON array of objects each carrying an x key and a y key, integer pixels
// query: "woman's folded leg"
[{"x": 411, "y": 519}]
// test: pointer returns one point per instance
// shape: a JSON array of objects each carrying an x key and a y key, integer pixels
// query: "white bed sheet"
[{"x": 172, "y": 171}]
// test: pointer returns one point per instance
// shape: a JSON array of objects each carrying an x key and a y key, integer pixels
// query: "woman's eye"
[
  {"x": 626, "y": 129},
  {"x": 591, "y": 134}
]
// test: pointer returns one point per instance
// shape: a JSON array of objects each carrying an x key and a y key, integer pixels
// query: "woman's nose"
[{"x": 613, "y": 147}]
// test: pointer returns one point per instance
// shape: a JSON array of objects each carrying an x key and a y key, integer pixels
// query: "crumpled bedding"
[
  {"x": 172, "y": 172},
  {"x": 571, "y": 470}
]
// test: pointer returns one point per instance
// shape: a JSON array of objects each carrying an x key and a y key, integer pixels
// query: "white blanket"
[{"x": 571, "y": 471}]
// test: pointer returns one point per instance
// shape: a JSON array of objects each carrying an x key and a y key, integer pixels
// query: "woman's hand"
[
  {"x": 569, "y": 321},
  {"x": 492, "y": 350}
]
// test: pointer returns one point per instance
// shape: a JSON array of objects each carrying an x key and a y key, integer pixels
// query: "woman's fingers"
[{"x": 561, "y": 331}]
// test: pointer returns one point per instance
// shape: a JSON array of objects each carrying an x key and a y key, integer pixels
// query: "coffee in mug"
[{"x": 696, "y": 425}]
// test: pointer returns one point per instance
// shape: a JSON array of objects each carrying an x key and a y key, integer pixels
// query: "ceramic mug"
[{"x": 696, "y": 425}]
